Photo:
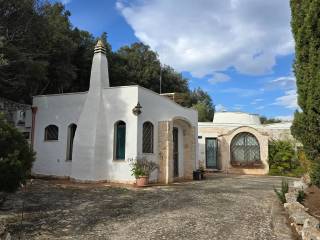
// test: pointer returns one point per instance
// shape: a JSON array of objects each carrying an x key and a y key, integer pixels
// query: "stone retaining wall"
[{"x": 307, "y": 226}]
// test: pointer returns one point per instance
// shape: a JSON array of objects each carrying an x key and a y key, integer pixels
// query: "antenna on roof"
[{"x": 160, "y": 78}]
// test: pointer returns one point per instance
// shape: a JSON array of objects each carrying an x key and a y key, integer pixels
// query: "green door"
[
  {"x": 175, "y": 134},
  {"x": 211, "y": 153}
]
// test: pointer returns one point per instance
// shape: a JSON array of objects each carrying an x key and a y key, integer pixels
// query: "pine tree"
[{"x": 306, "y": 30}]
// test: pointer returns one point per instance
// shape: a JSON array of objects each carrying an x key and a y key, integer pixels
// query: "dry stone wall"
[{"x": 307, "y": 226}]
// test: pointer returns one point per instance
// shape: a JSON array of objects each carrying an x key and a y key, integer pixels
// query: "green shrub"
[
  {"x": 304, "y": 162},
  {"x": 141, "y": 166},
  {"x": 315, "y": 174},
  {"x": 16, "y": 157},
  {"x": 301, "y": 195},
  {"x": 284, "y": 189},
  {"x": 283, "y": 159}
]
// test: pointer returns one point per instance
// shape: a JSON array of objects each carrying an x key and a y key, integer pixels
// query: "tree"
[
  {"x": 265, "y": 120},
  {"x": 81, "y": 60},
  {"x": 16, "y": 157},
  {"x": 201, "y": 101},
  {"x": 41, "y": 53},
  {"x": 3, "y": 60},
  {"x": 283, "y": 158},
  {"x": 306, "y": 31},
  {"x": 204, "y": 114},
  {"x": 138, "y": 64}
]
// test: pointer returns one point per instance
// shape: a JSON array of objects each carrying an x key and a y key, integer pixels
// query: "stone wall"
[
  {"x": 165, "y": 141},
  {"x": 9, "y": 108},
  {"x": 165, "y": 151},
  {"x": 225, "y": 151},
  {"x": 17, "y": 114},
  {"x": 189, "y": 152},
  {"x": 307, "y": 226}
]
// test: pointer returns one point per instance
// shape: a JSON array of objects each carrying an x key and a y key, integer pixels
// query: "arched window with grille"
[
  {"x": 245, "y": 150},
  {"x": 51, "y": 133},
  {"x": 147, "y": 137},
  {"x": 71, "y": 133},
  {"x": 120, "y": 140}
]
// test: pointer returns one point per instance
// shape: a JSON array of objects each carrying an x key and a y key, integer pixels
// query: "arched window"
[
  {"x": 245, "y": 150},
  {"x": 120, "y": 140},
  {"x": 51, "y": 132},
  {"x": 71, "y": 132},
  {"x": 147, "y": 138}
]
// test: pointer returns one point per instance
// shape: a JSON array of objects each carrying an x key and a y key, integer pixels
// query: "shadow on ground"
[{"x": 221, "y": 207}]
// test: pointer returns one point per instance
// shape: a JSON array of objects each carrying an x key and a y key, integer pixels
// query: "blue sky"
[{"x": 239, "y": 51}]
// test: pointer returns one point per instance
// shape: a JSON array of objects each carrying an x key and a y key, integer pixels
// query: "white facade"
[
  {"x": 225, "y": 127},
  {"x": 95, "y": 113}
]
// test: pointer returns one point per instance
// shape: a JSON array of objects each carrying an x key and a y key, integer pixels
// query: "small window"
[
  {"x": 147, "y": 140},
  {"x": 71, "y": 132},
  {"x": 120, "y": 140},
  {"x": 51, "y": 132}
]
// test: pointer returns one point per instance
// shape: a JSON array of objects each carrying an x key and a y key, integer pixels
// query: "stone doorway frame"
[{"x": 165, "y": 142}]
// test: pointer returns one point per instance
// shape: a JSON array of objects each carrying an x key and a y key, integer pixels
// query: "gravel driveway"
[{"x": 221, "y": 207}]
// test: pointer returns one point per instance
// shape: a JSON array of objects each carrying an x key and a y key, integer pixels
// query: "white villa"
[
  {"x": 90, "y": 136},
  {"x": 237, "y": 142}
]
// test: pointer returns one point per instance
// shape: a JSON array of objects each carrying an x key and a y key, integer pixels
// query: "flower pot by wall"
[{"x": 142, "y": 181}]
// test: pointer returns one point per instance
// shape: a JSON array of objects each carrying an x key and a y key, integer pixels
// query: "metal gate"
[{"x": 245, "y": 149}]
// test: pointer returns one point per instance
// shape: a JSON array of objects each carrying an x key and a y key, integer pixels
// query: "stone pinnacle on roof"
[{"x": 100, "y": 47}]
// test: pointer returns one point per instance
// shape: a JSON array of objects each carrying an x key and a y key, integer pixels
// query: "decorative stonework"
[
  {"x": 165, "y": 142},
  {"x": 225, "y": 154},
  {"x": 165, "y": 151}
]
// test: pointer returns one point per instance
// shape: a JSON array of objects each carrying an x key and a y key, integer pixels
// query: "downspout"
[{"x": 34, "y": 111}]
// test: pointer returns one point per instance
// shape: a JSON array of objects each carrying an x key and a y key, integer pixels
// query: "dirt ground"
[
  {"x": 312, "y": 201},
  {"x": 221, "y": 207}
]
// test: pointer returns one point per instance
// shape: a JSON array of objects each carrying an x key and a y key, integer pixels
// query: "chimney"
[{"x": 99, "y": 69}]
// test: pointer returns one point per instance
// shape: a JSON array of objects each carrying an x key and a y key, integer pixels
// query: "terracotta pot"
[{"x": 142, "y": 181}]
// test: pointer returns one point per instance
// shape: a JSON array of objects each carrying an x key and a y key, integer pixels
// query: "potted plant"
[
  {"x": 141, "y": 169},
  {"x": 202, "y": 172}
]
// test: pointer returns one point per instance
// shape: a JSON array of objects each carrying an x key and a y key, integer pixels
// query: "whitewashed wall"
[
  {"x": 157, "y": 108},
  {"x": 119, "y": 104},
  {"x": 60, "y": 110},
  {"x": 64, "y": 109}
]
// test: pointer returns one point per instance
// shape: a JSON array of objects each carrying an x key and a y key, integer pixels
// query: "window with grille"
[
  {"x": 120, "y": 140},
  {"x": 245, "y": 150},
  {"x": 147, "y": 140},
  {"x": 51, "y": 132}
]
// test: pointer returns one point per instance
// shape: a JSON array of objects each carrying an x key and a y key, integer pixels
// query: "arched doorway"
[
  {"x": 245, "y": 150},
  {"x": 177, "y": 149}
]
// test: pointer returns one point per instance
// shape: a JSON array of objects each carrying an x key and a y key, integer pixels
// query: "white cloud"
[
  {"x": 288, "y": 84},
  {"x": 284, "y": 82},
  {"x": 220, "y": 108},
  {"x": 212, "y": 35},
  {"x": 289, "y": 100},
  {"x": 218, "y": 78}
]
